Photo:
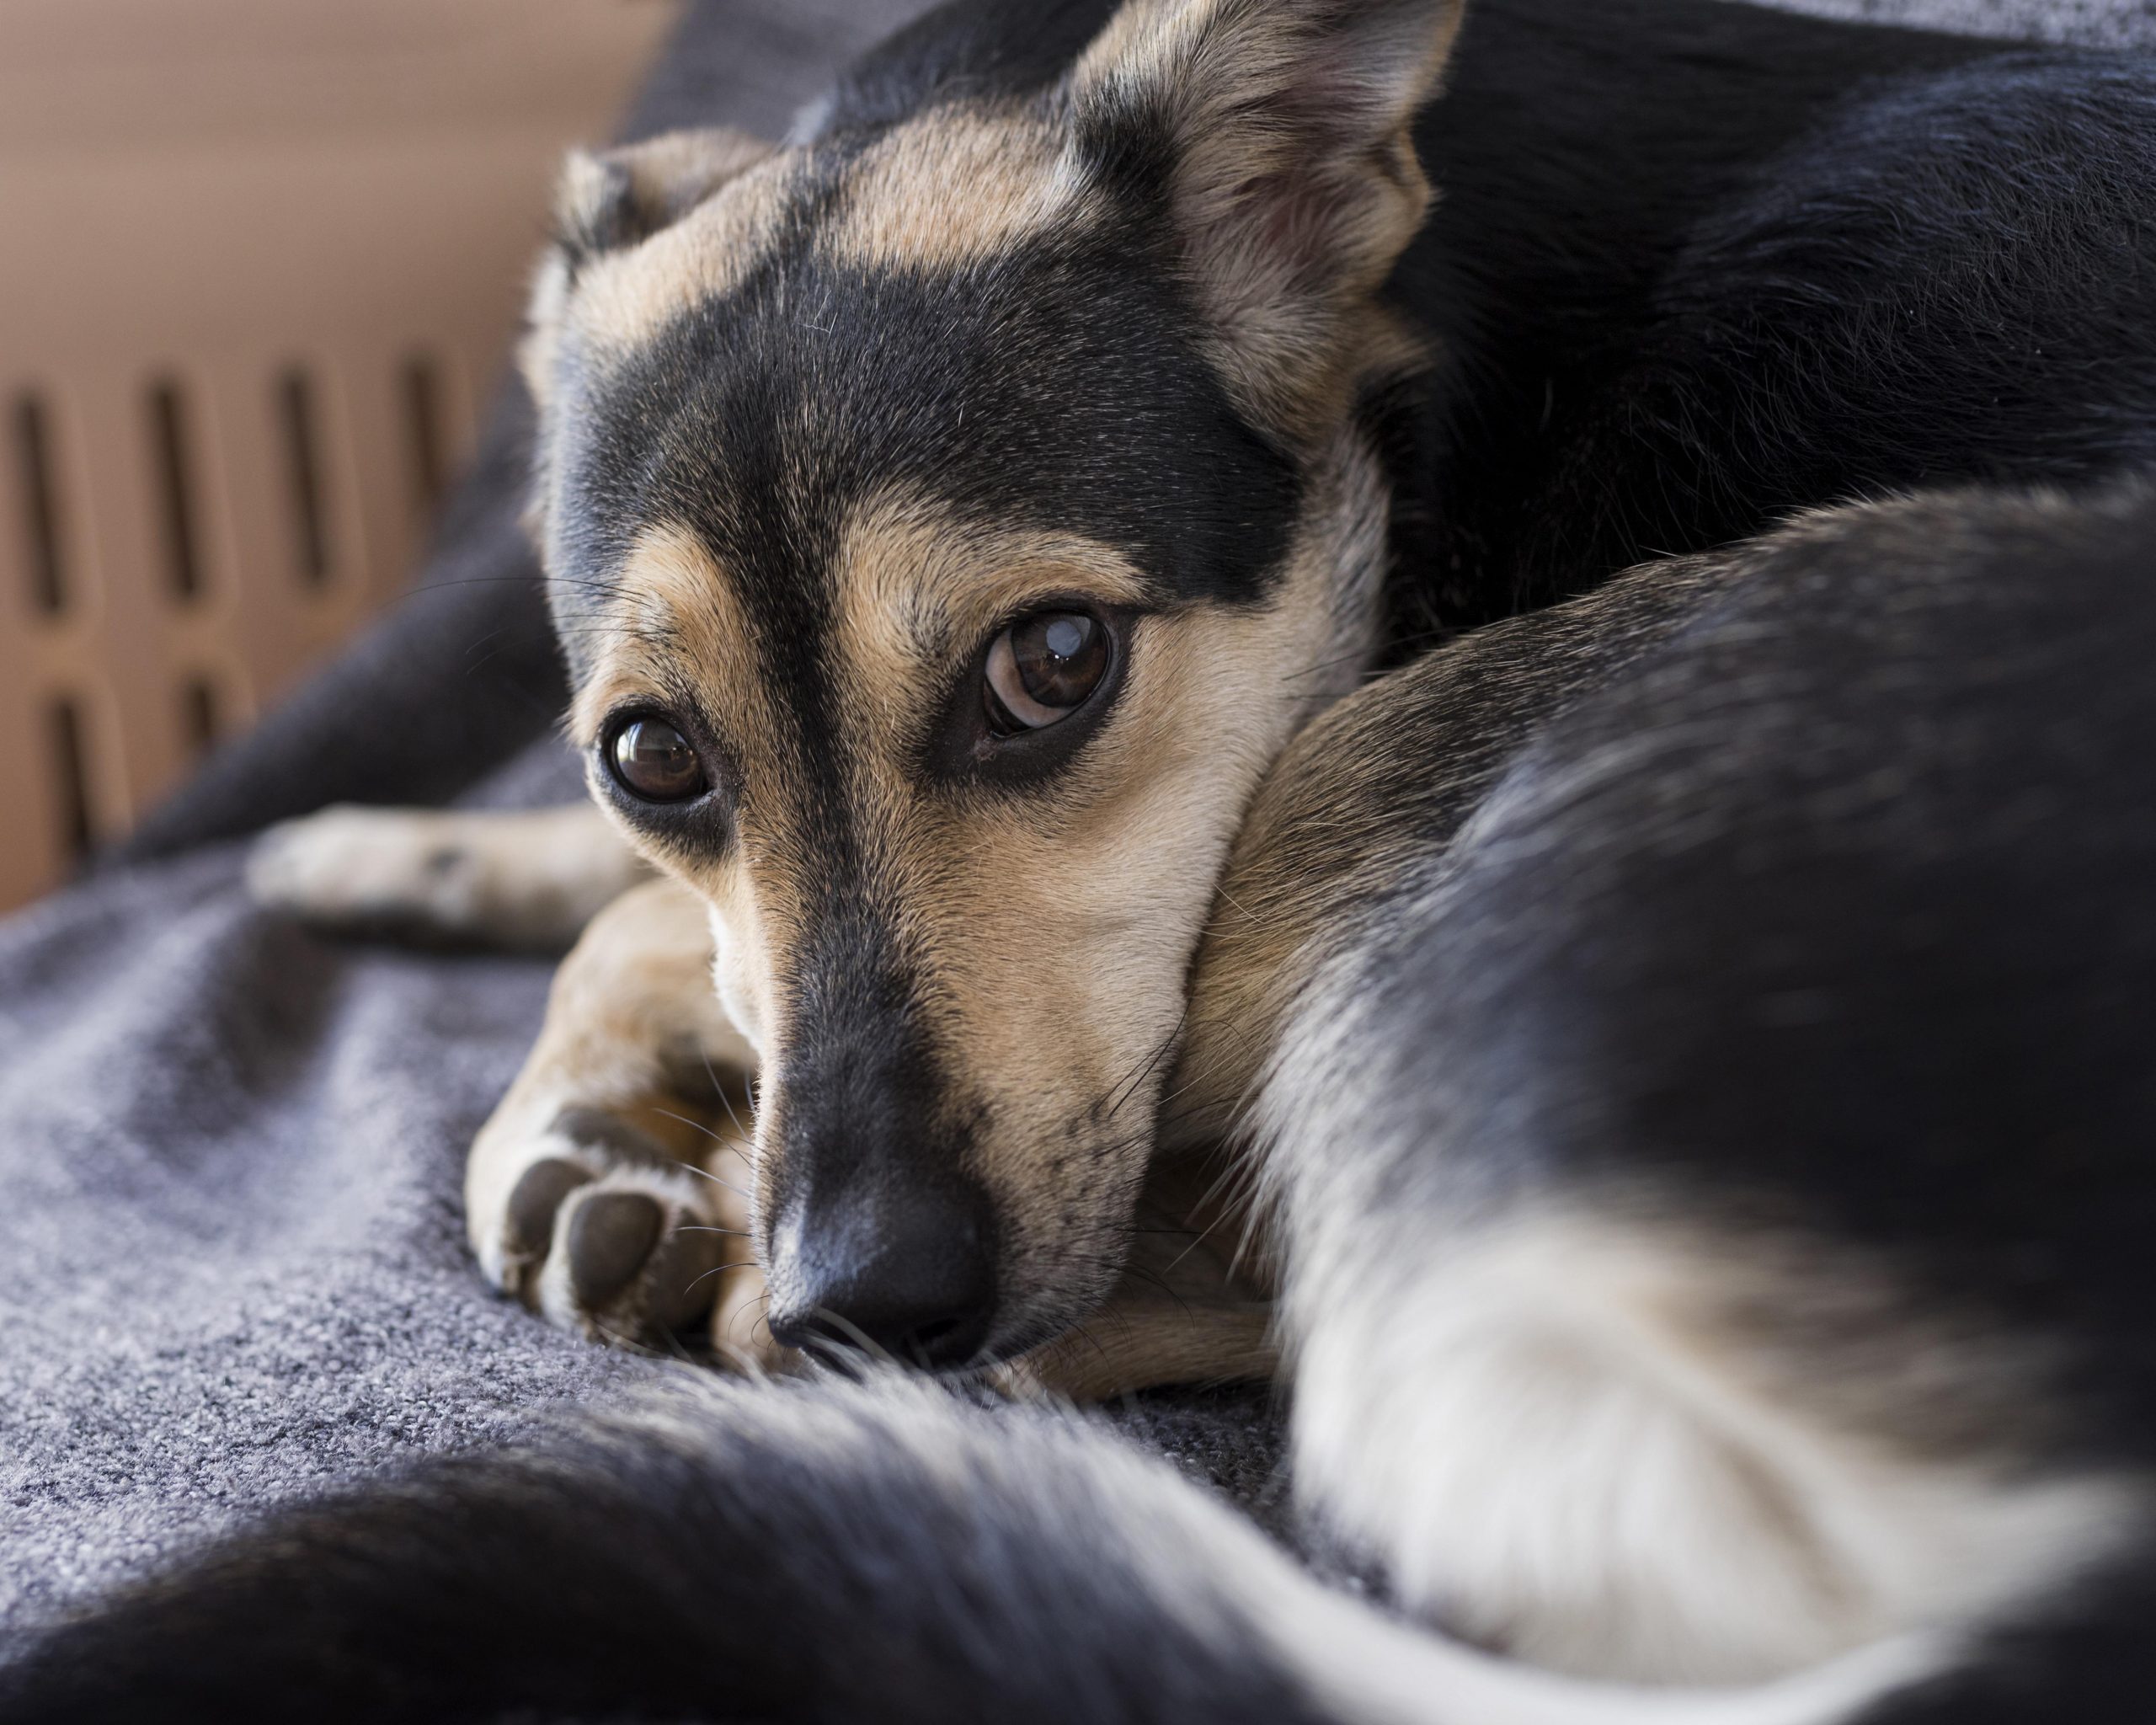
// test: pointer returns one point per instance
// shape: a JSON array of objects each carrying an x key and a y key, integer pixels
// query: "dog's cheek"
[
  {"x": 740, "y": 973},
  {"x": 1067, "y": 997}
]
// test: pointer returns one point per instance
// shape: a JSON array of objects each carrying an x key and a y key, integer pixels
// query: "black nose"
[{"x": 910, "y": 1272}]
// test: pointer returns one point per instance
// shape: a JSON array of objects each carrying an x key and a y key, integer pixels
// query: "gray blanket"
[{"x": 234, "y": 1267}]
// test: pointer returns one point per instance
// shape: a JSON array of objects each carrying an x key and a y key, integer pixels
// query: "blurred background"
[{"x": 263, "y": 264}]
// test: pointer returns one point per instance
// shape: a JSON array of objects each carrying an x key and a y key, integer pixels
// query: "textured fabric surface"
[
  {"x": 2099, "y": 23},
  {"x": 231, "y": 1259}
]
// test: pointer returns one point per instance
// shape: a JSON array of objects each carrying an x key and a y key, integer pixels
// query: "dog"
[{"x": 1497, "y": 668}]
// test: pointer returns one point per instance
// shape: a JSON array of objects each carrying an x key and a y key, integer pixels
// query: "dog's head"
[{"x": 947, "y": 519}]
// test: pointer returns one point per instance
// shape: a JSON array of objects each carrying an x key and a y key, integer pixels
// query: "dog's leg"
[
  {"x": 608, "y": 1190},
  {"x": 526, "y": 879},
  {"x": 1141, "y": 1340},
  {"x": 1194, "y": 1306}
]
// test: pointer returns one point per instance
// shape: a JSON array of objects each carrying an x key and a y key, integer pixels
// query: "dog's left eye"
[
  {"x": 653, "y": 762},
  {"x": 1043, "y": 668}
]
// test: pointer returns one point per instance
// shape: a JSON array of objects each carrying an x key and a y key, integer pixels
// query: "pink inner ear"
[
  {"x": 1344, "y": 98},
  {"x": 1296, "y": 211}
]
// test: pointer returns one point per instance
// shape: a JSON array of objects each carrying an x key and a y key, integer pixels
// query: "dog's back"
[{"x": 1695, "y": 265}]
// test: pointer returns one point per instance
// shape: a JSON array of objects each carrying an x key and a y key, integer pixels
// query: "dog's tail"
[{"x": 876, "y": 1550}]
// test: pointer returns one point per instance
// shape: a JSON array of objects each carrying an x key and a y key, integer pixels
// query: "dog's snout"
[{"x": 910, "y": 1272}]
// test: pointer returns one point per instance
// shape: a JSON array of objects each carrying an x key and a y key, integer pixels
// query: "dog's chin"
[{"x": 1068, "y": 1296}]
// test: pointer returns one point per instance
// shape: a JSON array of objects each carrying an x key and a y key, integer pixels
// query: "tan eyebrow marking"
[
  {"x": 674, "y": 604},
  {"x": 956, "y": 186},
  {"x": 916, "y": 584}
]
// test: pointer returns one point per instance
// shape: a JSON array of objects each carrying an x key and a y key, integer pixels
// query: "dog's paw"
[
  {"x": 375, "y": 868},
  {"x": 603, "y": 1231},
  {"x": 511, "y": 878}
]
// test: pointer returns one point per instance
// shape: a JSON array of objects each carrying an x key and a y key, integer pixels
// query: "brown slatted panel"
[
  {"x": 43, "y": 592},
  {"x": 205, "y": 204}
]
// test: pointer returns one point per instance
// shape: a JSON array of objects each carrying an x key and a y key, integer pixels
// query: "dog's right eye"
[
  {"x": 1043, "y": 669},
  {"x": 653, "y": 762}
]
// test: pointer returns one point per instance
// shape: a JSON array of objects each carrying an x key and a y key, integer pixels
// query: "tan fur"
[
  {"x": 681, "y": 632},
  {"x": 1291, "y": 215},
  {"x": 1592, "y": 1435},
  {"x": 664, "y": 178},
  {"x": 631, "y": 1017},
  {"x": 513, "y": 879},
  {"x": 631, "y": 1021},
  {"x": 675, "y": 617},
  {"x": 956, "y": 187},
  {"x": 1326, "y": 828},
  {"x": 1622, "y": 1446},
  {"x": 1133, "y": 1342},
  {"x": 924, "y": 585},
  {"x": 1054, "y": 932},
  {"x": 951, "y": 187},
  {"x": 1294, "y": 204},
  {"x": 624, "y": 299},
  {"x": 1615, "y": 1436}
]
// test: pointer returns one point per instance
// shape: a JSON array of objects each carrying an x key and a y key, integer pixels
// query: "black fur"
[
  {"x": 1819, "y": 905},
  {"x": 767, "y": 1553},
  {"x": 1695, "y": 265},
  {"x": 962, "y": 52},
  {"x": 1833, "y": 907},
  {"x": 1062, "y": 386},
  {"x": 1699, "y": 264},
  {"x": 1877, "y": 859}
]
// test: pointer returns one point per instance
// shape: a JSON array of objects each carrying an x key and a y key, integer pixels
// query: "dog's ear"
[
  {"x": 1279, "y": 131},
  {"x": 607, "y": 200}
]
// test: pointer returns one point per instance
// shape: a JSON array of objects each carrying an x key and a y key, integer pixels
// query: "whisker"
[
  {"x": 720, "y": 1270},
  {"x": 726, "y": 1101},
  {"x": 861, "y": 1338},
  {"x": 717, "y": 1138},
  {"x": 696, "y": 1125},
  {"x": 622, "y": 1339},
  {"x": 706, "y": 1174},
  {"x": 1167, "y": 1041}
]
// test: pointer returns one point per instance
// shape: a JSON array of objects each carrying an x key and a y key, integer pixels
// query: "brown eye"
[
  {"x": 1042, "y": 669},
  {"x": 653, "y": 761}
]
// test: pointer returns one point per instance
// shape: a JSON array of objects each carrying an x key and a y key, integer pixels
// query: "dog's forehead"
[{"x": 1055, "y": 380}]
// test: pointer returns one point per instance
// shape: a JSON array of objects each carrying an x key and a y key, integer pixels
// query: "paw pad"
[
  {"x": 611, "y": 1236},
  {"x": 537, "y": 1200}
]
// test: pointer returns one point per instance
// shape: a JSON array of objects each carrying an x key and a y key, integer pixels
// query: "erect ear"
[
  {"x": 1280, "y": 133},
  {"x": 607, "y": 200}
]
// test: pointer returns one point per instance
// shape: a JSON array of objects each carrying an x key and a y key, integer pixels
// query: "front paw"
[
  {"x": 369, "y": 868},
  {"x": 604, "y": 1232},
  {"x": 529, "y": 878}
]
